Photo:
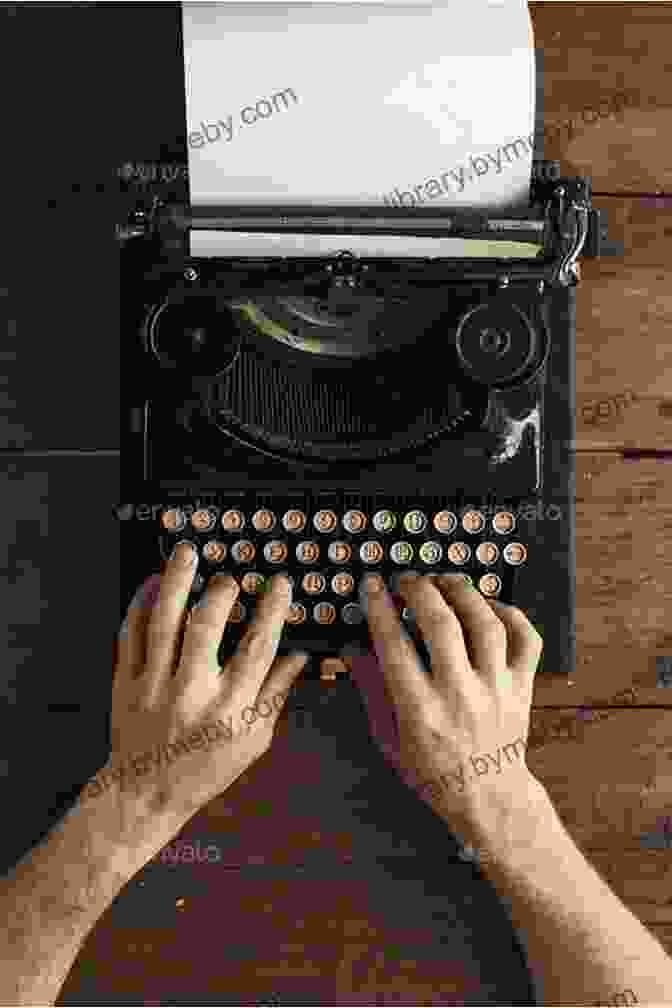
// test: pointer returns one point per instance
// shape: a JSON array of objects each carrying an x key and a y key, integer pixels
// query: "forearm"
[
  {"x": 53, "y": 897},
  {"x": 584, "y": 946}
]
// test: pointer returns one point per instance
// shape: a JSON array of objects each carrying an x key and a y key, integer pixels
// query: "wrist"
[
  {"x": 512, "y": 838},
  {"x": 125, "y": 830}
]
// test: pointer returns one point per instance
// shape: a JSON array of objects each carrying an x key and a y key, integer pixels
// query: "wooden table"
[{"x": 610, "y": 777}]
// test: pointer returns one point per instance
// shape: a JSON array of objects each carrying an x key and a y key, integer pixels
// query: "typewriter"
[{"x": 335, "y": 416}]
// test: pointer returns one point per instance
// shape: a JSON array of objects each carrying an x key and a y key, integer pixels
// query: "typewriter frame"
[{"x": 560, "y": 214}]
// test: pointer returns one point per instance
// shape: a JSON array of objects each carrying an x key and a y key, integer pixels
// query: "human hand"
[
  {"x": 447, "y": 729},
  {"x": 169, "y": 689}
]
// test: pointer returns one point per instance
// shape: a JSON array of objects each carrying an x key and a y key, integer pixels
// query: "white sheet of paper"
[{"x": 363, "y": 104}]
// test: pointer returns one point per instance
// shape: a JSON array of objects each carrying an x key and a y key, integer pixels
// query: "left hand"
[{"x": 168, "y": 690}]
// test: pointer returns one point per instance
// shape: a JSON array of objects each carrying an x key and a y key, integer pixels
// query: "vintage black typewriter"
[{"x": 336, "y": 416}]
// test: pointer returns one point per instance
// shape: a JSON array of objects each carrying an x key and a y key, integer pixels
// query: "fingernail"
[
  {"x": 150, "y": 591},
  {"x": 146, "y": 588},
  {"x": 184, "y": 554}
]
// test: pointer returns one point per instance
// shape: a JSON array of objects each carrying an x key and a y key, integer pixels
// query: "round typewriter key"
[
  {"x": 352, "y": 614},
  {"x": 252, "y": 582},
  {"x": 339, "y": 552},
  {"x": 490, "y": 585},
  {"x": 487, "y": 553},
  {"x": 204, "y": 519},
  {"x": 503, "y": 522},
  {"x": 313, "y": 583},
  {"x": 445, "y": 522},
  {"x": 473, "y": 521},
  {"x": 343, "y": 584},
  {"x": 354, "y": 521},
  {"x": 307, "y": 552},
  {"x": 415, "y": 521},
  {"x": 384, "y": 521},
  {"x": 324, "y": 612},
  {"x": 515, "y": 554},
  {"x": 174, "y": 519},
  {"x": 294, "y": 521},
  {"x": 431, "y": 552},
  {"x": 297, "y": 613},
  {"x": 401, "y": 552},
  {"x": 275, "y": 551},
  {"x": 238, "y": 613},
  {"x": 459, "y": 553},
  {"x": 214, "y": 552},
  {"x": 263, "y": 520},
  {"x": 233, "y": 521},
  {"x": 325, "y": 521},
  {"x": 371, "y": 552},
  {"x": 243, "y": 551}
]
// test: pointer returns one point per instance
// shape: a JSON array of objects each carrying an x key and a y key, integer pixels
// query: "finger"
[
  {"x": 484, "y": 633},
  {"x": 258, "y": 648},
  {"x": 406, "y": 679},
  {"x": 273, "y": 694},
  {"x": 130, "y": 659},
  {"x": 166, "y": 622},
  {"x": 525, "y": 643},
  {"x": 205, "y": 630},
  {"x": 370, "y": 680},
  {"x": 441, "y": 631}
]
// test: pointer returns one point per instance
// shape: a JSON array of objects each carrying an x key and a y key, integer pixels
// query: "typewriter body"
[{"x": 340, "y": 415}]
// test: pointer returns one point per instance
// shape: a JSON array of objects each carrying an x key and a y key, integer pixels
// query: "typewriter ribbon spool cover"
[{"x": 297, "y": 413}]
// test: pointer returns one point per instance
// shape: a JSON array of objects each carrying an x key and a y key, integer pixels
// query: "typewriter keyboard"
[{"x": 327, "y": 551}]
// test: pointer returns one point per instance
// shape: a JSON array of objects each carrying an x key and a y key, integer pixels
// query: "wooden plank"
[{"x": 624, "y": 581}]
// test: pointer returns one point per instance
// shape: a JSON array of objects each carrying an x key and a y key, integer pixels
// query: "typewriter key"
[
  {"x": 238, "y": 613},
  {"x": 352, "y": 614},
  {"x": 313, "y": 583},
  {"x": 343, "y": 584},
  {"x": 473, "y": 521},
  {"x": 415, "y": 521},
  {"x": 431, "y": 552},
  {"x": 515, "y": 554},
  {"x": 214, "y": 552},
  {"x": 252, "y": 582},
  {"x": 354, "y": 521},
  {"x": 243, "y": 551},
  {"x": 307, "y": 552},
  {"x": 490, "y": 584},
  {"x": 263, "y": 520},
  {"x": 233, "y": 521},
  {"x": 339, "y": 552},
  {"x": 325, "y": 521},
  {"x": 328, "y": 670},
  {"x": 503, "y": 522},
  {"x": 204, "y": 519},
  {"x": 174, "y": 519},
  {"x": 294, "y": 521},
  {"x": 459, "y": 553},
  {"x": 275, "y": 551},
  {"x": 445, "y": 522},
  {"x": 384, "y": 521},
  {"x": 401, "y": 552},
  {"x": 324, "y": 612},
  {"x": 371, "y": 552},
  {"x": 487, "y": 553},
  {"x": 297, "y": 613}
]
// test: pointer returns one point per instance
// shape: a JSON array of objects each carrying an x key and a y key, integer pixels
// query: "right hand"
[{"x": 446, "y": 728}]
